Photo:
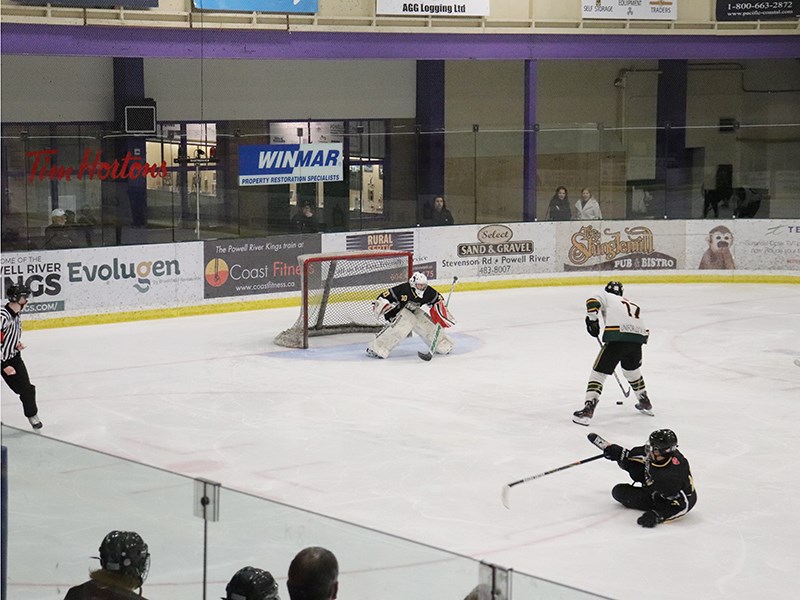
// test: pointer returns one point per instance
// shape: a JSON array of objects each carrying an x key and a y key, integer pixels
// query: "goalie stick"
[
  {"x": 625, "y": 392},
  {"x": 426, "y": 356},
  {"x": 507, "y": 487}
]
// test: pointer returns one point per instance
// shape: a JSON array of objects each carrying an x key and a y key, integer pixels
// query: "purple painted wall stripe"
[{"x": 69, "y": 40}]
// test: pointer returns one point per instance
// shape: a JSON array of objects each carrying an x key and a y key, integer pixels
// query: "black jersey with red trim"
[
  {"x": 403, "y": 296},
  {"x": 668, "y": 477}
]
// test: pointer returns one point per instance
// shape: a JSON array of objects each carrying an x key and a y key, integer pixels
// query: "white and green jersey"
[{"x": 622, "y": 318}]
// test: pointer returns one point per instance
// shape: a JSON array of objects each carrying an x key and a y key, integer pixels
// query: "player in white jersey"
[{"x": 623, "y": 334}]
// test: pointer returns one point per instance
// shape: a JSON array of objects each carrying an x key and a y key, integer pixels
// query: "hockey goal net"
[{"x": 337, "y": 290}]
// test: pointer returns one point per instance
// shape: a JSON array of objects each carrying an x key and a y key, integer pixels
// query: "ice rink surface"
[{"x": 422, "y": 450}]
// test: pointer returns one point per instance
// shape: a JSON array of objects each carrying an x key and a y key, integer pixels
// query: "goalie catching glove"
[
  {"x": 441, "y": 316},
  {"x": 381, "y": 306}
]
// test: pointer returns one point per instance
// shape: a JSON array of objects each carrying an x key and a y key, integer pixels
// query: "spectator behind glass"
[
  {"x": 559, "y": 210},
  {"x": 58, "y": 235},
  {"x": 441, "y": 214},
  {"x": 313, "y": 575},
  {"x": 303, "y": 220},
  {"x": 587, "y": 207},
  {"x": 124, "y": 563}
]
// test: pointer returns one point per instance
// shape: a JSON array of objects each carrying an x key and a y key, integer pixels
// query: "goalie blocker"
[{"x": 400, "y": 306}]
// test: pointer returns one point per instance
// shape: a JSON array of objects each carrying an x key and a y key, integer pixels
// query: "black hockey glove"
[
  {"x": 615, "y": 452},
  {"x": 593, "y": 327},
  {"x": 649, "y": 519}
]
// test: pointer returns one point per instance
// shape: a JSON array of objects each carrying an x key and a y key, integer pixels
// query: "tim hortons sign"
[{"x": 130, "y": 167}]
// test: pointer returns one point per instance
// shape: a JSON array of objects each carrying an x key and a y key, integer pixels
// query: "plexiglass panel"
[{"x": 63, "y": 499}]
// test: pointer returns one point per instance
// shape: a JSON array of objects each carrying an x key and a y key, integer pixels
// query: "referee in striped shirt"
[{"x": 14, "y": 372}]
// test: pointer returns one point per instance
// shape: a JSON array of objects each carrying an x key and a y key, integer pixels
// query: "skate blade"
[
  {"x": 581, "y": 421},
  {"x": 646, "y": 411}
]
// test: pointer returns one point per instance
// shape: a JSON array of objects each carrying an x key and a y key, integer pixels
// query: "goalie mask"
[
  {"x": 125, "y": 552},
  {"x": 614, "y": 287},
  {"x": 418, "y": 283},
  {"x": 250, "y": 583}
]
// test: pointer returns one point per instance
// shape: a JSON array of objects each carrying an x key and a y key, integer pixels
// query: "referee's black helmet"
[{"x": 15, "y": 292}]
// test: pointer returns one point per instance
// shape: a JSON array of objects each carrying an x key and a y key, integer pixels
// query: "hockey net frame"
[{"x": 297, "y": 335}]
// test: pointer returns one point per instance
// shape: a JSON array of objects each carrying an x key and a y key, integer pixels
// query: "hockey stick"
[
  {"x": 625, "y": 392},
  {"x": 507, "y": 487},
  {"x": 429, "y": 355}
]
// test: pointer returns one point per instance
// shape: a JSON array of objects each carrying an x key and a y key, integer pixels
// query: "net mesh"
[{"x": 340, "y": 289}]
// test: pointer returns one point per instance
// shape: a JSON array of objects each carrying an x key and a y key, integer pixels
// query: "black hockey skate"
[
  {"x": 583, "y": 416},
  {"x": 644, "y": 406}
]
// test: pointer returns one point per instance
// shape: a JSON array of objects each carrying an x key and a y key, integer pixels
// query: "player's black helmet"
[
  {"x": 663, "y": 440},
  {"x": 250, "y": 583},
  {"x": 614, "y": 287},
  {"x": 15, "y": 292},
  {"x": 125, "y": 552}
]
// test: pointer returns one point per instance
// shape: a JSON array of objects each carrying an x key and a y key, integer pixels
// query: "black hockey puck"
[{"x": 619, "y": 402}]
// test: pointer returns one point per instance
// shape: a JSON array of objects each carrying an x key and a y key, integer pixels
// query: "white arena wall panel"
[{"x": 96, "y": 285}]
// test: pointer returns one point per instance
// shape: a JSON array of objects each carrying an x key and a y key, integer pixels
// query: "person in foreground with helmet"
[
  {"x": 250, "y": 583},
  {"x": 624, "y": 334},
  {"x": 15, "y": 374},
  {"x": 400, "y": 308},
  {"x": 667, "y": 488},
  {"x": 124, "y": 563}
]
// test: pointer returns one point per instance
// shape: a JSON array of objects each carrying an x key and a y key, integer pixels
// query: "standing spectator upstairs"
[
  {"x": 441, "y": 214},
  {"x": 587, "y": 208},
  {"x": 559, "y": 210}
]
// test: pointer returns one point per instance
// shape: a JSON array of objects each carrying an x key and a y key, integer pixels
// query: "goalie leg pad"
[
  {"x": 392, "y": 334},
  {"x": 425, "y": 328}
]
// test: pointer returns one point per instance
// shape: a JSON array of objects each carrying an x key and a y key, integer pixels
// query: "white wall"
[
  {"x": 60, "y": 89},
  {"x": 250, "y": 89}
]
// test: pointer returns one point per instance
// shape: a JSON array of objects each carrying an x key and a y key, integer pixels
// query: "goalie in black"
[
  {"x": 666, "y": 488},
  {"x": 400, "y": 307}
]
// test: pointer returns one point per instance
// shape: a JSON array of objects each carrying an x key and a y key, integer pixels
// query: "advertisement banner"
[
  {"x": 645, "y": 10},
  {"x": 275, "y": 6},
  {"x": 488, "y": 251},
  {"x": 244, "y": 267},
  {"x": 104, "y": 280},
  {"x": 290, "y": 163},
  {"x": 403, "y": 240},
  {"x": 621, "y": 246},
  {"x": 756, "y": 245},
  {"x": 435, "y": 8},
  {"x": 768, "y": 10}
]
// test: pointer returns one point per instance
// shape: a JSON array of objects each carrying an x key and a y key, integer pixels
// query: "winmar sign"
[
  {"x": 78, "y": 272},
  {"x": 496, "y": 239},
  {"x": 131, "y": 167},
  {"x": 289, "y": 163}
]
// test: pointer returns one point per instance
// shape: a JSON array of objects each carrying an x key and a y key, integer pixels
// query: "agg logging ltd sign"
[{"x": 130, "y": 167}]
